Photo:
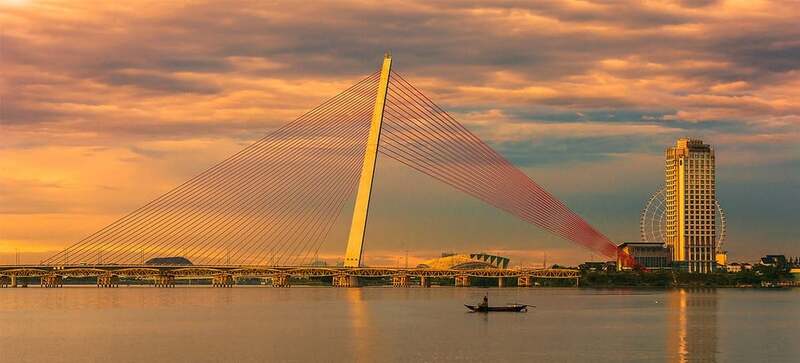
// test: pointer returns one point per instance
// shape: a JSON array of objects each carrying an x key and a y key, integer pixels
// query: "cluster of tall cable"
[
  {"x": 272, "y": 203},
  {"x": 418, "y": 133}
]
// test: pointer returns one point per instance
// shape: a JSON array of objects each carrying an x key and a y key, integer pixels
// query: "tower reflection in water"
[
  {"x": 692, "y": 335},
  {"x": 360, "y": 330}
]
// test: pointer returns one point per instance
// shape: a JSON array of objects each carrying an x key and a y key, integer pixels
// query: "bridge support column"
[
  {"x": 524, "y": 281},
  {"x": 4, "y": 281},
  {"x": 13, "y": 281},
  {"x": 51, "y": 281},
  {"x": 501, "y": 281},
  {"x": 424, "y": 281},
  {"x": 164, "y": 281},
  {"x": 462, "y": 281},
  {"x": 345, "y": 280},
  {"x": 222, "y": 280},
  {"x": 400, "y": 280},
  {"x": 107, "y": 280},
  {"x": 281, "y": 280}
]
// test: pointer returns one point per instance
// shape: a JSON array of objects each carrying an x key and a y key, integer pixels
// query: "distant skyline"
[{"x": 103, "y": 107}]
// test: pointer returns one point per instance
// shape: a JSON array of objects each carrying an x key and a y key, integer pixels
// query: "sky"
[{"x": 106, "y": 105}]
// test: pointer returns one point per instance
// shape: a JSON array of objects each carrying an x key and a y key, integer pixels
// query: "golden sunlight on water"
[
  {"x": 692, "y": 328},
  {"x": 300, "y": 324},
  {"x": 359, "y": 323}
]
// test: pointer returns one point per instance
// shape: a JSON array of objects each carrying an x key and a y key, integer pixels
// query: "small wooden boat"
[{"x": 508, "y": 308}]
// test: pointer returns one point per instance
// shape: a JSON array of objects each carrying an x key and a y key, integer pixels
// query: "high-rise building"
[{"x": 691, "y": 205}]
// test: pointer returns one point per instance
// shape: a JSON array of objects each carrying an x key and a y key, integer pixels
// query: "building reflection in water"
[{"x": 692, "y": 335}]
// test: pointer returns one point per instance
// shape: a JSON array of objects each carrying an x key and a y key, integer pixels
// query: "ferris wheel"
[{"x": 653, "y": 221}]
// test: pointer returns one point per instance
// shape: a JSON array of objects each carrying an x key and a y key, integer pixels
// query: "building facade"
[
  {"x": 738, "y": 267},
  {"x": 650, "y": 255},
  {"x": 691, "y": 205}
]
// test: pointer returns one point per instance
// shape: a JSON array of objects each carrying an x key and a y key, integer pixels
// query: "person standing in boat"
[{"x": 485, "y": 303}]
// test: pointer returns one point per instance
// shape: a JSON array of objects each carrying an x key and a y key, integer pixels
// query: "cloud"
[
  {"x": 137, "y": 87},
  {"x": 160, "y": 83}
]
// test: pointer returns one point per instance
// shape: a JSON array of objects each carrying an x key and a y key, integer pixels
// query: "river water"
[{"x": 302, "y": 324}]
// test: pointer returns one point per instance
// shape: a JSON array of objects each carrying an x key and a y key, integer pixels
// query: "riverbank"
[{"x": 671, "y": 279}]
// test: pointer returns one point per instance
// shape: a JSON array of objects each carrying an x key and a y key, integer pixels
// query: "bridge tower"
[{"x": 355, "y": 242}]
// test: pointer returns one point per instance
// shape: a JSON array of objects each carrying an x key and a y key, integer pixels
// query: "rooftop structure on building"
[
  {"x": 453, "y": 261},
  {"x": 778, "y": 261}
]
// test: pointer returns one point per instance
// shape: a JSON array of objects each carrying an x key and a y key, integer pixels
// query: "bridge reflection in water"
[
  {"x": 692, "y": 324},
  {"x": 227, "y": 276}
]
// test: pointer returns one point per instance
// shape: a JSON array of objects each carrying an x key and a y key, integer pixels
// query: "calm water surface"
[{"x": 258, "y": 324}]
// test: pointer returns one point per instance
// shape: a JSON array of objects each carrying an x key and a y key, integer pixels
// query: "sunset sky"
[{"x": 106, "y": 105}]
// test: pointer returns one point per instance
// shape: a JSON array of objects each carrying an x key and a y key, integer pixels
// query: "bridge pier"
[
  {"x": 51, "y": 281},
  {"x": 14, "y": 281},
  {"x": 107, "y": 280},
  {"x": 281, "y": 280},
  {"x": 401, "y": 280},
  {"x": 501, "y": 282},
  {"x": 164, "y": 281},
  {"x": 424, "y": 281},
  {"x": 524, "y": 281},
  {"x": 222, "y": 280},
  {"x": 345, "y": 280},
  {"x": 462, "y": 281}
]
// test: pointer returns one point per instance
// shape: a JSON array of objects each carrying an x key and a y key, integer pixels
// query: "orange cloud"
[{"x": 97, "y": 98}]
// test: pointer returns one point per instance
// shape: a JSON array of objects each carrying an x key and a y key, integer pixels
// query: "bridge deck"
[{"x": 209, "y": 271}]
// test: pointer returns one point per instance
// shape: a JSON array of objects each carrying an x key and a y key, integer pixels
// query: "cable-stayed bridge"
[{"x": 270, "y": 206}]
